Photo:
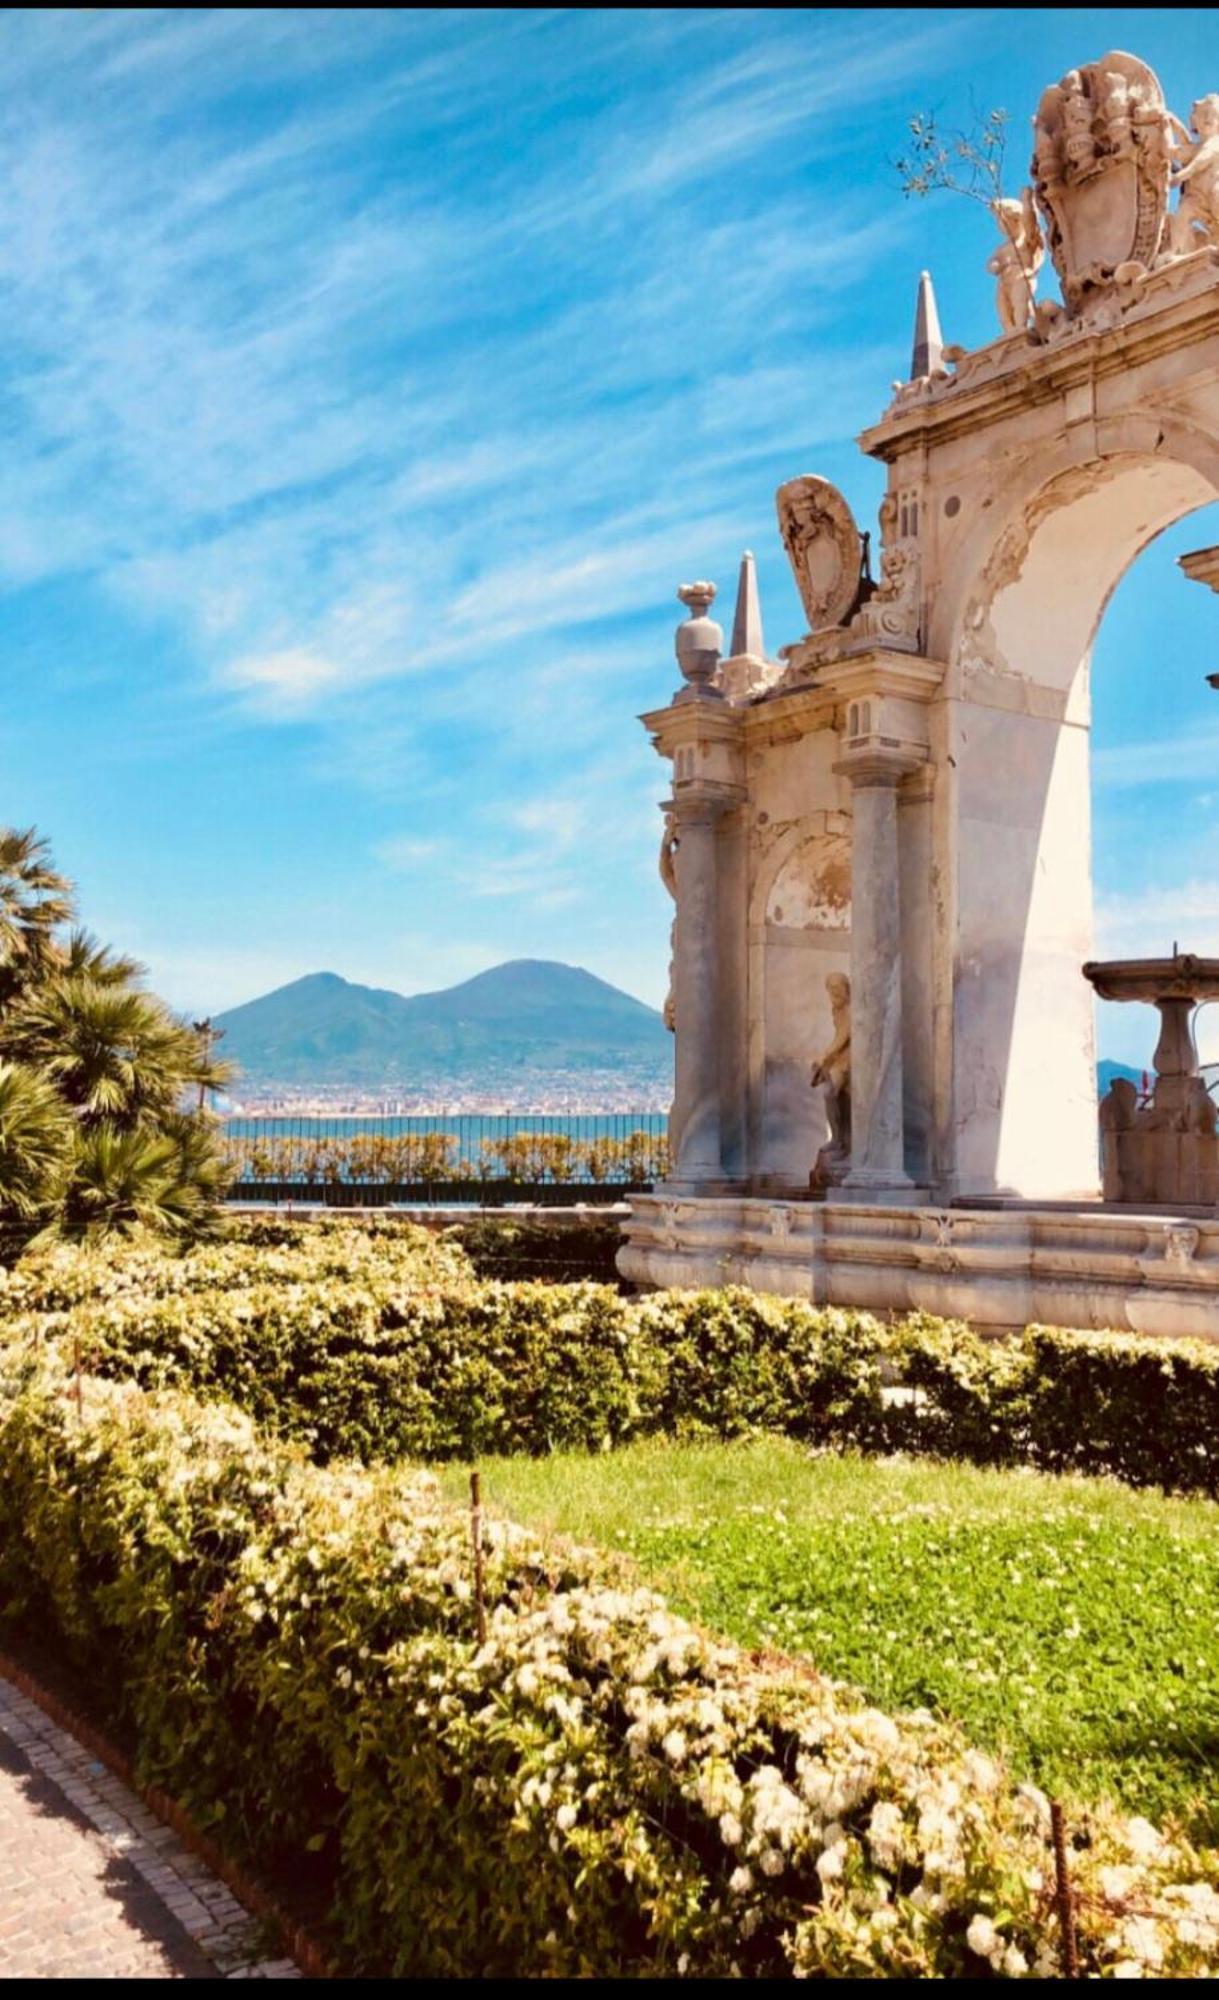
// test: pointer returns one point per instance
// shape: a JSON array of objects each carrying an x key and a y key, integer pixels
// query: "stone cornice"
[
  {"x": 1202, "y": 566},
  {"x": 908, "y": 676},
  {"x": 1180, "y": 308},
  {"x": 693, "y": 722}
]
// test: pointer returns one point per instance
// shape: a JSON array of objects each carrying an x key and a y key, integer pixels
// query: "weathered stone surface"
[{"x": 998, "y": 1266}]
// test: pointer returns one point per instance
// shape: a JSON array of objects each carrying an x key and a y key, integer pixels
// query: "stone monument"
[{"x": 901, "y": 800}]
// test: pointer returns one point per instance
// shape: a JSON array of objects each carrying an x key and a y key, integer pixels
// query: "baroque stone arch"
[
  {"x": 1019, "y": 613},
  {"x": 1033, "y": 586}
]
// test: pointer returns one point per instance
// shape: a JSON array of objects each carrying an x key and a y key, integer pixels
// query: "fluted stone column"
[
  {"x": 696, "y": 991},
  {"x": 877, "y": 1129}
]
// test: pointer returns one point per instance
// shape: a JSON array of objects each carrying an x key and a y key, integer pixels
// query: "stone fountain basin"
[{"x": 1182, "y": 977}]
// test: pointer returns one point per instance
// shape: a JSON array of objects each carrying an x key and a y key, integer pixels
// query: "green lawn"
[{"x": 1071, "y": 1623}]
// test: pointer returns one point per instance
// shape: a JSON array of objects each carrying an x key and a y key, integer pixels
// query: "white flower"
[
  {"x": 674, "y": 1747},
  {"x": 730, "y": 1830},
  {"x": 885, "y": 1831},
  {"x": 982, "y": 1937},
  {"x": 1116, "y": 1883},
  {"x": 830, "y": 1864},
  {"x": 1146, "y": 1843},
  {"x": 980, "y": 1771},
  {"x": 740, "y": 1881},
  {"x": 1015, "y": 1964},
  {"x": 566, "y": 1817},
  {"x": 1142, "y": 1941}
]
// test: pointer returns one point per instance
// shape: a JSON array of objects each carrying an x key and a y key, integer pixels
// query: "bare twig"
[
  {"x": 476, "y": 1535},
  {"x": 968, "y": 163},
  {"x": 1063, "y": 1897}
]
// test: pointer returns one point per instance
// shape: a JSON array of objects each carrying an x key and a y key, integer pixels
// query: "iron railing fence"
[{"x": 482, "y": 1158}]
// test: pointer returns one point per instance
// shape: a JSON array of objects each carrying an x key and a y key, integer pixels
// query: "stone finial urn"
[{"x": 699, "y": 640}]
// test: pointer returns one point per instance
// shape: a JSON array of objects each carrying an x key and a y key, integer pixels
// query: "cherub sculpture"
[
  {"x": 1197, "y": 218},
  {"x": 832, "y": 1071},
  {"x": 1017, "y": 260}
]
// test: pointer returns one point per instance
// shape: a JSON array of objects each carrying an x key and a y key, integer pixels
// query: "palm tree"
[
  {"x": 35, "y": 900},
  {"x": 113, "y": 1052},
  {"x": 36, "y": 1135},
  {"x": 96, "y": 1076},
  {"x": 83, "y": 957},
  {"x": 167, "y": 1180}
]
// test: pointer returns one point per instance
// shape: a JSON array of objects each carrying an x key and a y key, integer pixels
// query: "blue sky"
[{"x": 369, "y": 381}]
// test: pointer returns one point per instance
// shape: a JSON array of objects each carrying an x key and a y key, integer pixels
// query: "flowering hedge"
[
  {"x": 597, "y": 1789},
  {"x": 381, "y": 1344}
]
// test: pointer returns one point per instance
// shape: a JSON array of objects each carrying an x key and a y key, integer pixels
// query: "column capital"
[
  {"x": 695, "y": 804},
  {"x": 878, "y": 764}
]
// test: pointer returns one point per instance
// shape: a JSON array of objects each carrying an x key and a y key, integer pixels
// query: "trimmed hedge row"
[
  {"x": 595, "y": 1790},
  {"x": 255, "y": 1250},
  {"x": 404, "y": 1359}
]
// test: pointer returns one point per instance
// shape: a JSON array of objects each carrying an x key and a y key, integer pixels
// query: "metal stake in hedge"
[
  {"x": 476, "y": 1535},
  {"x": 1063, "y": 1898}
]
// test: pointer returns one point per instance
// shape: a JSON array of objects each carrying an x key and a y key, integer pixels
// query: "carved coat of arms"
[
  {"x": 824, "y": 548},
  {"x": 1101, "y": 164}
]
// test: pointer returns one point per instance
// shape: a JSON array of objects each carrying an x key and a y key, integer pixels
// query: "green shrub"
[
  {"x": 378, "y": 1342},
  {"x": 596, "y": 1790}
]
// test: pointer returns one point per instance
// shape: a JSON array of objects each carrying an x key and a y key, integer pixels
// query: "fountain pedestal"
[{"x": 1167, "y": 1150}]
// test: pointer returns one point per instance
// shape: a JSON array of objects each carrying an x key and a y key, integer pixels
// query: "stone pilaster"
[
  {"x": 696, "y": 1101},
  {"x": 877, "y": 1122}
]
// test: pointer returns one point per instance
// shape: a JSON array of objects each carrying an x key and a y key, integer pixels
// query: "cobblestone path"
[{"x": 91, "y": 1884}]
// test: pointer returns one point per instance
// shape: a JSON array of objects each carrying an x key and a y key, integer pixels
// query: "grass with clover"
[{"x": 1069, "y": 1623}]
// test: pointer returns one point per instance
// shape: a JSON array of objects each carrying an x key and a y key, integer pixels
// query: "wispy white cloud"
[
  {"x": 384, "y": 373},
  {"x": 1189, "y": 758},
  {"x": 1147, "y": 921}
]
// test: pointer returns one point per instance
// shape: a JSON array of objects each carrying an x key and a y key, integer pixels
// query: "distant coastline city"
[{"x": 558, "y": 1093}]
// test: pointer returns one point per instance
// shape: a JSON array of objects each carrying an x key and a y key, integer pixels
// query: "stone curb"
[{"x": 296, "y": 1941}]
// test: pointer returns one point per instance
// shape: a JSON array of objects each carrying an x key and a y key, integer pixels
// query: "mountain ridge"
[{"x": 533, "y": 1014}]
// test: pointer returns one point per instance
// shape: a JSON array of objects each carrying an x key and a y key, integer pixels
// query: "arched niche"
[{"x": 800, "y": 910}]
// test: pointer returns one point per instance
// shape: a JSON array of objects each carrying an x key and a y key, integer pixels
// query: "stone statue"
[
  {"x": 1017, "y": 260},
  {"x": 1118, "y": 1105},
  {"x": 1118, "y": 1109},
  {"x": 832, "y": 1072},
  {"x": 1200, "y": 1114},
  {"x": 893, "y": 612},
  {"x": 1196, "y": 221},
  {"x": 668, "y": 875}
]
